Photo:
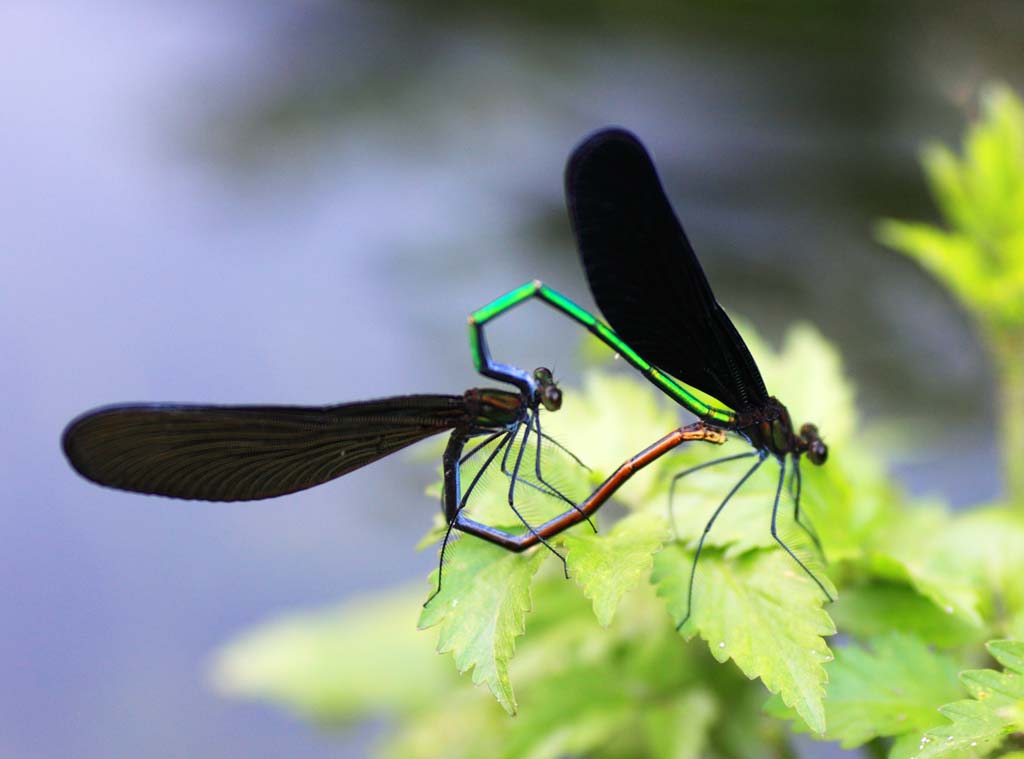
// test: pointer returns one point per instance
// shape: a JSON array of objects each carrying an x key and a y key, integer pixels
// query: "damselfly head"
[
  {"x": 817, "y": 451},
  {"x": 547, "y": 391}
]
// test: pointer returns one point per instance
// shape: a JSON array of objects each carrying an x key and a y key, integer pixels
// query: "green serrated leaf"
[
  {"x": 890, "y": 690},
  {"x": 980, "y": 724},
  {"x": 1009, "y": 653},
  {"x": 582, "y": 690},
  {"x": 761, "y": 611},
  {"x": 481, "y": 610},
  {"x": 905, "y": 746},
  {"x": 975, "y": 731},
  {"x": 609, "y": 566}
]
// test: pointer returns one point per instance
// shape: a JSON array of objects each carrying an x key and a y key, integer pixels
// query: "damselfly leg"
[
  {"x": 795, "y": 488},
  {"x": 775, "y": 532}
]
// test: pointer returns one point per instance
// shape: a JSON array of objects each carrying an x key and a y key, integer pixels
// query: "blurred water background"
[{"x": 299, "y": 203}]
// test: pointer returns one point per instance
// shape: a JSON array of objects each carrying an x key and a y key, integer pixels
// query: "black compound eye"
[
  {"x": 551, "y": 397},
  {"x": 817, "y": 452},
  {"x": 809, "y": 431}
]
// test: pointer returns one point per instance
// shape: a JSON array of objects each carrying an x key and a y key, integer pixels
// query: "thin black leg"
[
  {"x": 467, "y": 456},
  {"x": 480, "y": 472},
  {"x": 795, "y": 486},
  {"x": 513, "y": 476},
  {"x": 512, "y": 505},
  {"x": 691, "y": 470},
  {"x": 440, "y": 563},
  {"x": 565, "y": 450},
  {"x": 539, "y": 488},
  {"x": 540, "y": 477},
  {"x": 707, "y": 529},
  {"x": 451, "y": 455},
  {"x": 775, "y": 534},
  {"x": 504, "y": 458}
]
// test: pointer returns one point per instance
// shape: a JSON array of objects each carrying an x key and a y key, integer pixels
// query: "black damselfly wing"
[
  {"x": 644, "y": 274},
  {"x": 244, "y": 453}
]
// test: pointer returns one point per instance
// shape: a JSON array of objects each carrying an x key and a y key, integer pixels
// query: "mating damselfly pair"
[{"x": 663, "y": 319}]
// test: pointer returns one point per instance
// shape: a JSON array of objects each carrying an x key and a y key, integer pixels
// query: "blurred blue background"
[{"x": 299, "y": 203}]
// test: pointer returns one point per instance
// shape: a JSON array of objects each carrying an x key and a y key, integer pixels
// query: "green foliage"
[
  {"x": 481, "y": 610},
  {"x": 893, "y": 689},
  {"x": 756, "y": 602},
  {"x": 603, "y": 672},
  {"x": 979, "y": 256},
  {"x": 609, "y": 567},
  {"x": 873, "y": 609},
  {"x": 757, "y": 611},
  {"x": 981, "y": 723}
]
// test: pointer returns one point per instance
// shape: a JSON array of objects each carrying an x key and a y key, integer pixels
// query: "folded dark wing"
[
  {"x": 242, "y": 453},
  {"x": 644, "y": 274}
]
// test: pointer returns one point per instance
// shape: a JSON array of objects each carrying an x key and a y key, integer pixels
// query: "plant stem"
[{"x": 1009, "y": 360}]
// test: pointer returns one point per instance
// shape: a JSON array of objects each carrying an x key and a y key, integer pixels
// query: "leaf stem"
[{"x": 1008, "y": 349}]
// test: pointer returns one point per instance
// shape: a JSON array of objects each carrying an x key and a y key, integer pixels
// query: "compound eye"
[
  {"x": 809, "y": 431},
  {"x": 543, "y": 375},
  {"x": 817, "y": 452},
  {"x": 551, "y": 397}
]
